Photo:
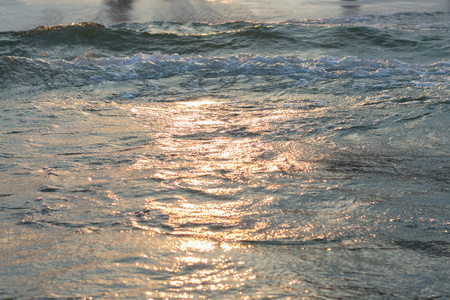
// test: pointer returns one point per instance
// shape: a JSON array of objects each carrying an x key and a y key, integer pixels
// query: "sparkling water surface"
[{"x": 224, "y": 149}]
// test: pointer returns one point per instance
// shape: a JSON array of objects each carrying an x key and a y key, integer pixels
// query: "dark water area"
[{"x": 224, "y": 150}]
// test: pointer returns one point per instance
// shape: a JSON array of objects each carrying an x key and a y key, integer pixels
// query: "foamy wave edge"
[{"x": 158, "y": 65}]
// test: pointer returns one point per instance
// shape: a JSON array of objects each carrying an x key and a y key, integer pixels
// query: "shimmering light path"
[{"x": 256, "y": 158}]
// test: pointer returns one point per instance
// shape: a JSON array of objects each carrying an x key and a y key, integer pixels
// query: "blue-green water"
[{"x": 238, "y": 159}]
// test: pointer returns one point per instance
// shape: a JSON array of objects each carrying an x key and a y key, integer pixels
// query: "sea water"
[{"x": 224, "y": 150}]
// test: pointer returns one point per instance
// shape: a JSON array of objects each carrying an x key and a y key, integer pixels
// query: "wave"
[
  {"x": 389, "y": 51},
  {"x": 289, "y": 70},
  {"x": 363, "y": 36}
]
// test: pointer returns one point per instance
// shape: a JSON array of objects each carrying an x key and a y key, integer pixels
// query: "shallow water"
[{"x": 245, "y": 158}]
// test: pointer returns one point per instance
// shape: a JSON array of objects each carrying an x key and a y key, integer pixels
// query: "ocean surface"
[{"x": 224, "y": 149}]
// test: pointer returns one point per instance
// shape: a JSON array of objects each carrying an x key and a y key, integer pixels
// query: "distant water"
[{"x": 239, "y": 159}]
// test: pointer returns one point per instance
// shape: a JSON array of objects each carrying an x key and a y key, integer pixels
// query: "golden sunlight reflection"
[
  {"x": 221, "y": 225},
  {"x": 197, "y": 264},
  {"x": 187, "y": 218},
  {"x": 200, "y": 142},
  {"x": 206, "y": 158},
  {"x": 189, "y": 244},
  {"x": 232, "y": 157},
  {"x": 218, "y": 275},
  {"x": 213, "y": 274},
  {"x": 196, "y": 103}
]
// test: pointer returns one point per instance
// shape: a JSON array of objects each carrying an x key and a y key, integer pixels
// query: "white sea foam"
[
  {"x": 251, "y": 64},
  {"x": 157, "y": 65}
]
